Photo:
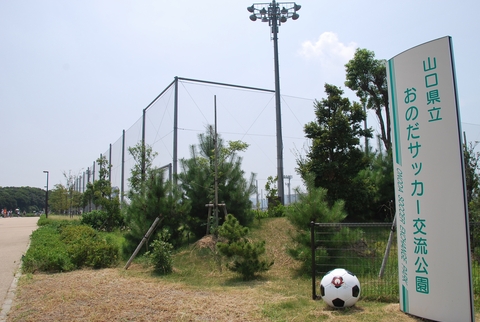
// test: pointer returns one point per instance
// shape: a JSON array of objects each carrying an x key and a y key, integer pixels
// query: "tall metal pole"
[
  {"x": 110, "y": 164},
  {"x": 46, "y": 197},
  {"x": 271, "y": 13},
  {"x": 216, "y": 167},
  {"x": 280, "y": 183},
  {"x": 175, "y": 130},
  {"x": 143, "y": 145},
  {"x": 122, "y": 185}
]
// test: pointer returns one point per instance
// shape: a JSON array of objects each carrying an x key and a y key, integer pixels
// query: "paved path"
[{"x": 14, "y": 238}]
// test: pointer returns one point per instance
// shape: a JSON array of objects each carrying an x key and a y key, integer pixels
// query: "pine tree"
[
  {"x": 197, "y": 180},
  {"x": 245, "y": 254}
]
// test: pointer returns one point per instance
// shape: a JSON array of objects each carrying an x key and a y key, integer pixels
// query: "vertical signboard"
[{"x": 432, "y": 217}]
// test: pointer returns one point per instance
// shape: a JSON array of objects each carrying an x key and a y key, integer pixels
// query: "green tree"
[
  {"x": 245, "y": 254},
  {"x": 312, "y": 205},
  {"x": 143, "y": 155},
  {"x": 58, "y": 199},
  {"x": 25, "y": 198},
  {"x": 378, "y": 178},
  {"x": 151, "y": 196},
  {"x": 335, "y": 158},
  {"x": 100, "y": 192},
  {"x": 367, "y": 76},
  {"x": 471, "y": 161},
  {"x": 197, "y": 180}
]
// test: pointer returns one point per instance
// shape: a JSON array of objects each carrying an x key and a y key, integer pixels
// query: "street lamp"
[
  {"x": 46, "y": 197},
  {"x": 276, "y": 13}
]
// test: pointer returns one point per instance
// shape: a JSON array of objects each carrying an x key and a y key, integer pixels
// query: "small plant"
[
  {"x": 161, "y": 256},
  {"x": 259, "y": 214},
  {"x": 244, "y": 253}
]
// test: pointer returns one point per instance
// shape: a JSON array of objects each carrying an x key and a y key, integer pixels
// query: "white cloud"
[{"x": 328, "y": 50}]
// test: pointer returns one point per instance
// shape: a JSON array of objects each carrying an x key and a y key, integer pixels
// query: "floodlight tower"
[{"x": 276, "y": 13}]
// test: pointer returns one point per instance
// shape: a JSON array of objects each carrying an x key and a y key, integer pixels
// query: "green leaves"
[
  {"x": 368, "y": 77},
  {"x": 335, "y": 158}
]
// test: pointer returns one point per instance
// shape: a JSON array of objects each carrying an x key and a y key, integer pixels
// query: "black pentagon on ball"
[
  {"x": 322, "y": 290},
  {"x": 338, "y": 302},
  {"x": 355, "y": 291}
]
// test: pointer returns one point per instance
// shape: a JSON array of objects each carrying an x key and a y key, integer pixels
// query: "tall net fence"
[
  {"x": 183, "y": 110},
  {"x": 171, "y": 124}
]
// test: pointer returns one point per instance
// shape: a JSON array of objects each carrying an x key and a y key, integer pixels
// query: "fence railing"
[
  {"x": 361, "y": 249},
  {"x": 369, "y": 250}
]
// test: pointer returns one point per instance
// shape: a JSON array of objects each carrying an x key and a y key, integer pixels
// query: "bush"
[
  {"x": 103, "y": 220},
  {"x": 47, "y": 253},
  {"x": 87, "y": 248},
  {"x": 57, "y": 247},
  {"x": 104, "y": 253},
  {"x": 276, "y": 211},
  {"x": 160, "y": 256}
]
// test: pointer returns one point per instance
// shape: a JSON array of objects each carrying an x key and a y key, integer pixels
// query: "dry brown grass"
[
  {"x": 137, "y": 295},
  {"x": 109, "y": 295}
]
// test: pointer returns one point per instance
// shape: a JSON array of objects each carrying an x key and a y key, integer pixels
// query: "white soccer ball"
[{"x": 340, "y": 288}]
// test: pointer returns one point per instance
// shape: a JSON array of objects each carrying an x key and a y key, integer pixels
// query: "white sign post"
[{"x": 432, "y": 215}]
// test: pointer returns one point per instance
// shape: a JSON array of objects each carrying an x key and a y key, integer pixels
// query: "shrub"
[
  {"x": 58, "y": 247},
  {"x": 86, "y": 247},
  {"x": 277, "y": 210},
  {"x": 104, "y": 253},
  {"x": 160, "y": 256},
  {"x": 103, "y": 220},
  {"x": 47, "y": 253}
]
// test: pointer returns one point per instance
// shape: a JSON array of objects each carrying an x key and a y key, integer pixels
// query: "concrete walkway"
[{"x": 14, "y": 239}]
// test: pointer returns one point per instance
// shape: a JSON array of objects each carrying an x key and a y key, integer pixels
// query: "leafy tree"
[
  {"x": 197, "y": 180},
  {"x": 27, "y": 199},
  {"x": 335, "y": 158},
  {"x": 245, "y": 254},
  {"x": 100, "y": 192},
  {"x": 143, "y": 155},
  {"x": 64, "y": 199},
  {"x": 58, "y": 199},
  {"x": 367, "y": 76},
  {"x": 74, "y": 198},
  {"x": 275, "y": 207}
]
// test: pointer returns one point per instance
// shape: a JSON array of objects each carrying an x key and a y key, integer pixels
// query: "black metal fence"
[{"x": 369, "y": 250}]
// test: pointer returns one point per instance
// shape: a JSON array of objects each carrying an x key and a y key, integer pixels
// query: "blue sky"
[{"x": 74, "y": 74}]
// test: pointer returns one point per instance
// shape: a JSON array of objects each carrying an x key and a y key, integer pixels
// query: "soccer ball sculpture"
[{"x": 340, "y": 288}]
